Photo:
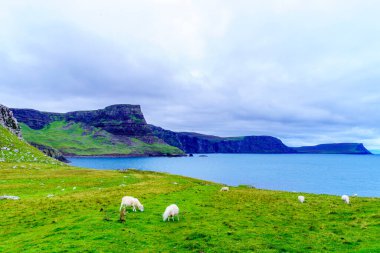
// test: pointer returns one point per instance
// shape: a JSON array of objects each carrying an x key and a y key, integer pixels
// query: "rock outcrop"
[
  {"x": 9, "y": 121},
  {"x": 52, "y": 152},
  {"x": 198, "y": 143},
  {"x": 335, "y": 148}
]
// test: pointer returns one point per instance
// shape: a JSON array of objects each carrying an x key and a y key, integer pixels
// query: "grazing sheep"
[
  {"x": 346, "y": 199},
  {"x": 171, "y": 211},
  {"x": 131, "y": 201},
  {"x": 301, "y": 199},
  {"x": 225, "y": 189}
]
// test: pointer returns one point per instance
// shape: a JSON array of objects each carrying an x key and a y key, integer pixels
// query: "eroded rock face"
[{"x": 8, "y": 121}]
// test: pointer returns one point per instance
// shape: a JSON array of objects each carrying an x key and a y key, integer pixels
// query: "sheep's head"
[{"x": 141, "y": 207}]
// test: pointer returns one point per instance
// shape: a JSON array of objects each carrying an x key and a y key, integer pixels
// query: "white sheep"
[
  {"x": 346, "y": 199},
  {"x": 301, "y": 199},
  {"x": 171, "y": 211},
  {"x": 131, "y": 201},
  {"x": 225, "y": 189}
]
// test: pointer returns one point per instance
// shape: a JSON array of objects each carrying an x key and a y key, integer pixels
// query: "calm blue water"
[{"x": 331, "y": 174}]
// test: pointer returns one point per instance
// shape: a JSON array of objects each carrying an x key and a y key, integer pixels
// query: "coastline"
[{"x": 121, "y": 156}]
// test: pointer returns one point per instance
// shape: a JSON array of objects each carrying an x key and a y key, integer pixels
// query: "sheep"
[
  {"x": 171, "y": 211},
  {"x": 131, "y": 201},
  {"x": 225, "y": 189},
  {"x": 346, "y": 199},
  {"x": 301, "y": 199}
]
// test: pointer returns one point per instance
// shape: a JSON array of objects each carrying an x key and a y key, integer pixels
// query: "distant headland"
[{"x": 121, "y": 130}]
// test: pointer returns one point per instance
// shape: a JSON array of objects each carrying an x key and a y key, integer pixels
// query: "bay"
[{"x": 311, "y": 173}]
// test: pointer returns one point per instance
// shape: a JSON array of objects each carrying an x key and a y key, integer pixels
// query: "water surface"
[{"x": 313, "y": 173}]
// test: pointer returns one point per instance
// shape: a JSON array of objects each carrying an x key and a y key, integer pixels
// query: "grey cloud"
[{"x": 306, "y": 74}]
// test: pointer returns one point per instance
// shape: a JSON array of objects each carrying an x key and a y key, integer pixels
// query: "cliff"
[
  {"x": 115, "y": 130},
  {"x": 122, "y": 130},
  {"x": 8, "y": 121},
  {"x": 116, "y": 119},
  {"x": 198, "y": 143},
  {"x": 335, "y": 148}
]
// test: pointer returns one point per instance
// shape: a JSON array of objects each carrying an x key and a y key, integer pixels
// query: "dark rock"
[
  {"x": 52, "y": 152},
  {"x": 36, "y": 119},
  {"x": 116, "y": 119}
]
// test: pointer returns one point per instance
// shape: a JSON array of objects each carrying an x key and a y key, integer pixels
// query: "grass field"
[
  {"x": 82, "y": 216},
  {"x": 74, "y": 138},
  {"x": 82, "y": 211}
]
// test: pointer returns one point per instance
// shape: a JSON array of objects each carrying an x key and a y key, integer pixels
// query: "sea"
[{"x": 309, "y": 173}]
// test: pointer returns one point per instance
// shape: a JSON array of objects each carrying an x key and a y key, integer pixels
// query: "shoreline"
[
  {"x": 120, "y": 156},
  {"x": 188, "y": 155}
]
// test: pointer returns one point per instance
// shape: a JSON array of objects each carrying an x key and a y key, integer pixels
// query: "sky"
[{"x": 306, "y": 72}]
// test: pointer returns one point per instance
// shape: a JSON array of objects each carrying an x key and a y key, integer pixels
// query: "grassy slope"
[
  {"x": 14, "y": 150},
  {"x": 73, "y": 139},
  {"x": 85, "y": 218}
]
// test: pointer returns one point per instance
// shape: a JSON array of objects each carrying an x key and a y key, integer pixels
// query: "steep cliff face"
[
  {"x": 35, "y": 119},
  {"x": 114, "y": 130},
  {"x": 198, "y": 143},
  {"x": 116, "y": 119},
  {"x": 8, "y": 121},
  {"x": 335, "y": 148}
]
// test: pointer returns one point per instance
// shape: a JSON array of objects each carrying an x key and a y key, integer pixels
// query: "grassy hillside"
[
  {"x": 12, "y": 149},
  {"x": 82, "y": 216},
  {"x": 67, "y": 209},
  {"x": 74, "y": 138}
]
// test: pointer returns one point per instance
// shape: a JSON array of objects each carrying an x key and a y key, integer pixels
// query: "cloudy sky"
[{"x": 305, "y": 71}]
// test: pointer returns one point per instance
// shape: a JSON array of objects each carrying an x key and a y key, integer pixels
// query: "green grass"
[
  {"x": 75, "y": 139},
  {"x": 13, "y": 149},
  {"x": 241, "y": 220},
  {"x": 82, "y": 216}
]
